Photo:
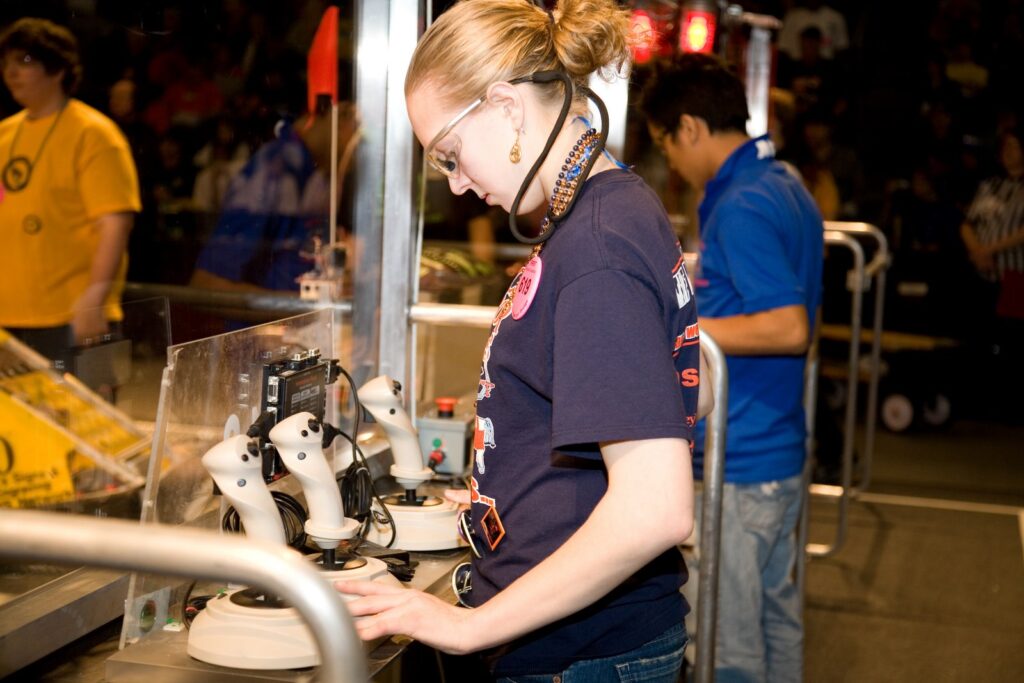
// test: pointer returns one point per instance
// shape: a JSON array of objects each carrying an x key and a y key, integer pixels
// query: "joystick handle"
[
  {"x": 382, "y": 398},
  {"x": 298, "y": 440},
  {"x": 236, "y": 467}
]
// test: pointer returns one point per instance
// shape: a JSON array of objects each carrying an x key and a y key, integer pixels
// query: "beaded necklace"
[
  {"x": 568, "y": 180},
  {"x": 562, "y": 195}
]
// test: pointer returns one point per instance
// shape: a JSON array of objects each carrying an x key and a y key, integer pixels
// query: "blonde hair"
[{"x": 479, "y": 42}]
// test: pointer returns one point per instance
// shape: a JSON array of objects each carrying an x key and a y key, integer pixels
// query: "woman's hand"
[
  {"x": 460, "y": 496},
  {"x": 389, "y": 610}
]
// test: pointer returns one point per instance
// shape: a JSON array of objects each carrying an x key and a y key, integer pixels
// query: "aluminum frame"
[
  {"x": 711, "y": 512},
  {"x": 117, "y": 544},
  {"x": 842, "y": 496}
]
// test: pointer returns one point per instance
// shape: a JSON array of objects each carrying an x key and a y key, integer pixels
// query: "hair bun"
[{"x": 590, "y": 35}]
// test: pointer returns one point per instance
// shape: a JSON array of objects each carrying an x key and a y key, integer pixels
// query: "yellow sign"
[{"x": 33, "y": 458}]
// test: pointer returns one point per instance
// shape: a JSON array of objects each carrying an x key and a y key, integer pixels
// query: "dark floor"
[{"x": 929, "y": 584}]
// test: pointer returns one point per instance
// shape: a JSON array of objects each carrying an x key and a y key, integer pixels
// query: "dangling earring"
[{"x": 516, "y": 153}]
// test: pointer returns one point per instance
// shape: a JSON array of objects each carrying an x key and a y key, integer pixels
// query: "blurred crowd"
[
  {"x": 890, "y": 112},
  {"x": 196, "y": 88}
]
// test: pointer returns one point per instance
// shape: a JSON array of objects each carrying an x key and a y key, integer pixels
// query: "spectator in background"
[
  {"x": 993, "y": 233},
  {"x": 68, "y": 198},
  {"x": 813, "y": 80},
  {"x": 170, "y": 179},
  {"x": 831, "y": 170},
  {"x": 761, "y": 265},
  {"x": 273, "y": 209},
  {"x": 829, "y": 22},
  {"x": 123, "y": 109},
  {"x": 994, "y": 227},
  {"x": 964, "y": 71},
  {"x": 189, "y": 101},
  {"x": 218, "y": 161}
]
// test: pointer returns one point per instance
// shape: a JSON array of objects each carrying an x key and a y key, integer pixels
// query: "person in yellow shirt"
[{"x": 69, "y": 192}]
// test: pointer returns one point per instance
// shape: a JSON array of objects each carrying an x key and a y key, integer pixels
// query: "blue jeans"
[
  {"x": 759, "y": 638},
  {"x": 656, "y": 661}
]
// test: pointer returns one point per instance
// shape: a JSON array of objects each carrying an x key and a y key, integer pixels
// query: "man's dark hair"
[
  {"x": 52, "y": 45},
  {"x": 699, "y": 85}
]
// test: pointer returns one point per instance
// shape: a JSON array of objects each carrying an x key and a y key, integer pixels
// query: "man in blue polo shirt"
[{"x": 758, "y": 289}]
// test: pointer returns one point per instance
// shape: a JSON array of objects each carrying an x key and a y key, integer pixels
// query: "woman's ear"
[{"x": 506, "y": 100}]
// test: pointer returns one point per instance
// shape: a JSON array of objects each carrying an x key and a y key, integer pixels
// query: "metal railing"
[
  {"x": 711, "y": 512},
  {"x": 285, "y": 304},
  {"x": 117, "y": 544},
  {"x": 863, "y": 276},
  {"x": 874, "y": 276},
  {"x": 839, "y": 239}
]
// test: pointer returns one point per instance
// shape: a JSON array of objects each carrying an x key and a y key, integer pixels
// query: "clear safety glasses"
[{"x": 443, "y": 151}]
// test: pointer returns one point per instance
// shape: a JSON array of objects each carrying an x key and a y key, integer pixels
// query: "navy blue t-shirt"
[
  {"x": 762, "y": 248},
  {"x": 607, "y": 350}
]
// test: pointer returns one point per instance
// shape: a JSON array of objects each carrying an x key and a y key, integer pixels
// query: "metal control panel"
[{"x": 445, "y": 429}]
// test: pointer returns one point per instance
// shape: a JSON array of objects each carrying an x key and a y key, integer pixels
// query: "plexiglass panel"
[{"x": 211, "y": 388}]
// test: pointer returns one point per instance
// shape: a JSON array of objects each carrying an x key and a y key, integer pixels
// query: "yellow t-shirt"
[{"x": 48, "y": 227}]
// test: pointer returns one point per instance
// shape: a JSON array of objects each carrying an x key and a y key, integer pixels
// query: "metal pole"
[
  {"x": 118, "y": 544},
  {"x": 371, "y": 81},
  {"x": 856, "y": 284},
  {"x": 876, "y": 269},
  {"x": 759, "y": 67},
  {"x": 399, "y": 260},
  {"x": 711, "y": 512},
  {"x": 287, "y": 304},
  {"x": 811, "y": 371}
]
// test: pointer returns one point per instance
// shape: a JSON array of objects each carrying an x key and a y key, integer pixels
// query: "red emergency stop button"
[{"x": 445, "y": 406}]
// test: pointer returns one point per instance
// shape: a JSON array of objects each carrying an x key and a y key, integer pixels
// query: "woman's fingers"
[{"x": 460, "y": 496}]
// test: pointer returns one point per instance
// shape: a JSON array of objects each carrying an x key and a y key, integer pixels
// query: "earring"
[{"x": 516, "y": 153}]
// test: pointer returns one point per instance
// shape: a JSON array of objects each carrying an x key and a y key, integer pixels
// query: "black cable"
[
  {"x": 568, "y": 86},
  {"x": 190, "y": 606},
  {"x": 293, "y": 517},
  {"x": 357, "y": 456}
]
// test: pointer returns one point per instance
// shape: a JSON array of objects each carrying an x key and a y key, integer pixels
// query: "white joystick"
[
  {"x": 420, "y": 522},
  {"x": 382, "y": 398},
  {"x": 235, "y": 466},
  {"x": 299, "y": 441}
]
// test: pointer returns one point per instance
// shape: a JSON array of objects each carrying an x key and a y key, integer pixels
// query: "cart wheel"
[
  {"x": 937, "y": 410},
  {"x": 897, "y": 412}
]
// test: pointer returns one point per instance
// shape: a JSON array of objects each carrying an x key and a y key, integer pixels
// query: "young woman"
[{"x": 582, "y": 484}]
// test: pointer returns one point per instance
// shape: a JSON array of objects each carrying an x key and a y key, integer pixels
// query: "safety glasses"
[{"x": 443, "y": 151}]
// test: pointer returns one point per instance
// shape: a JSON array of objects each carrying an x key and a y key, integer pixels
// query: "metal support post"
[
  {"x": 874, "y": 270},
  {"x": 371, "y": 81},
  {"x": 117, "y": 544},
  {"x": 811, "y": 370},
  {"x": 838, "y": 239},
  {"x": 711, "y": 512},
  {"x": 399, "y": 255}
]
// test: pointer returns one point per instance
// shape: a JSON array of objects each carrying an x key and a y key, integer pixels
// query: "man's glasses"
[{"x": 446, "y": 159}]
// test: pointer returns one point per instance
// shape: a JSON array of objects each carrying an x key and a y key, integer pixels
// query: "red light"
[
  {"x": 644, "y": 37},
  {"x": 697, "y": 33}
]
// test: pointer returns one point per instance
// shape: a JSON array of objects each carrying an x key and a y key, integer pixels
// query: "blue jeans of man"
[
  {"x": 759, "y": 638},
  {"x": 656, "y": 661}
]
